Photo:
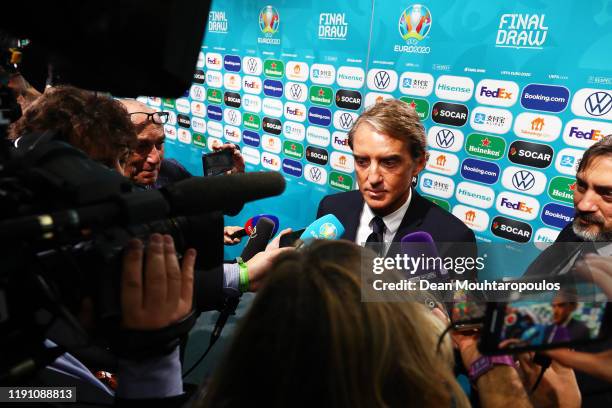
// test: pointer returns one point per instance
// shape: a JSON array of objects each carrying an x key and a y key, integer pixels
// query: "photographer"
[{"x": 146, "y": 165}]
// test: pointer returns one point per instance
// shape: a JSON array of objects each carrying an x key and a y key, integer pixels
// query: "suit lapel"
[
  {"x": 351, "y": 214},
  {"x": 414, "y": 216}
]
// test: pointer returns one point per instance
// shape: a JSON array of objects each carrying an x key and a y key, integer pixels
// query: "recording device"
[
  {"x": 249, "y": 226},
  {"x": 217, "y": 163},
  {"x": 570, "y": 316},
  {"x": 466, "y": 313},
  {"x": 64, "y": 220},
  {"x": 291, "y": 238}
]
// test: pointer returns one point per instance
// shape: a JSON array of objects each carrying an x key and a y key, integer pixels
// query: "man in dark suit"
[
  {"x": 564, "y": 326},
  {"x": 589, "y": 233},
  {"x": 390, "y": 150},
  {"x": 591, "y": 229}
]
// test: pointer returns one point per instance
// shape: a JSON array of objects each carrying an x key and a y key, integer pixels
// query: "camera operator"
[
  {"x": 98, "y": 125},
  {"x": 101, "y": 127}
]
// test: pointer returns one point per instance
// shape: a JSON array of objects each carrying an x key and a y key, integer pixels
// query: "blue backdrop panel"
[{"x": 510, "y": 93}]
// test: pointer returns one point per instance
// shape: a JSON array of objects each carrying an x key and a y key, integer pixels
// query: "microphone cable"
[{"x": 229, "y": 308}]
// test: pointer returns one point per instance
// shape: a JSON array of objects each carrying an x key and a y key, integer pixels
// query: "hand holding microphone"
[{"x": 249, "y": 226}]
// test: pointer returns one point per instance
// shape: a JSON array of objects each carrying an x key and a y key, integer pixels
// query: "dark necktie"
[{"x": 375, "y": 239}]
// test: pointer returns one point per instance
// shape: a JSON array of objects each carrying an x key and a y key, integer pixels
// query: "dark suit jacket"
[
  {"x": 575, "y": 329},
  {"x": 422, "y": 215},
  {"x": 553, "y": 259}
]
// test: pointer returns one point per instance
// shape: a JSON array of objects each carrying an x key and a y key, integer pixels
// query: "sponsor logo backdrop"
[{"x": 509, "y": 98}]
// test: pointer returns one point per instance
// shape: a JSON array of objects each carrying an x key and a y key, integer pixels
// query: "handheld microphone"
[
  {"x": 326, "y": 227},
  {"x": 420, "y": 245},
  {"x": 249, "y": 226},
  {"x": 262, "y": 233}
]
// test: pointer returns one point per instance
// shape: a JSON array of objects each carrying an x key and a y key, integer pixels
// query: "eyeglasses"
[{"x": 155, "y": 117}]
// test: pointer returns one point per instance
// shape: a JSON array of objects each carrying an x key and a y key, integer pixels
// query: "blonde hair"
[
  {"x": 309, "y": 340},
  {"x": 396, "y": 119}
]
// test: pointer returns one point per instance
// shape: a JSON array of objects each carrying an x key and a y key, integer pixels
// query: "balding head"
[
  {"x": 132, "y": 105},
  {"x": 145, "y": 161}
]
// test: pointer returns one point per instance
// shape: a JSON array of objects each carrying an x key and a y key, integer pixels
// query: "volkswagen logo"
[
  {"x": 598, "y": 103},
  {"x": 315, "y": 173},
  {"x": 232, "y": 116},
  {"x": 382, "y": 79},
  {"x": 523, "y": 180},
  {"x": 346, "y": 121},
  {"x": 445, "y": 138},
  {"x": 252, "y": 65},
  {"x": 296, "y": 91}
]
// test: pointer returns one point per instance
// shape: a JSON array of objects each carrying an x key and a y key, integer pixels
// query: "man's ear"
[{"x": 420, "y": 164}]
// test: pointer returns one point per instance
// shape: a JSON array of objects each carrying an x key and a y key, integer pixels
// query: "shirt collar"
[{"x": 392, "y": 221}]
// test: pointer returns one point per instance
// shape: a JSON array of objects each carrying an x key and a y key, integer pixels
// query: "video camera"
[{"x": 64, "y": 219}]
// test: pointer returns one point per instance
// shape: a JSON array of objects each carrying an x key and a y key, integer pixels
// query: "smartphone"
[
  {"x": 467, "y": 311},
  {"x": 558, "y": 318},
  {"x": 216, "y": 163},
  {"x": 289, "y": 239}
]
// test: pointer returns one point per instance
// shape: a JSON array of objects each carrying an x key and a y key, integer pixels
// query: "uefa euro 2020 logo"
[
  {"x": 269, "y": 20},
  {"x": 415, "y": 22},
  {"x": 328, "y": 231}
]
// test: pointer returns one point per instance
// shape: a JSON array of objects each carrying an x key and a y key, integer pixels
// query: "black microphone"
[
  {"x": 200, "y": 194},
  {"x": 193, "y": 196},
  {"x": 264, "y": 229}
]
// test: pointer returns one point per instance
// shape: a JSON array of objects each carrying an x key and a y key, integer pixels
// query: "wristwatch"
[{"x": 485, "y": 363}]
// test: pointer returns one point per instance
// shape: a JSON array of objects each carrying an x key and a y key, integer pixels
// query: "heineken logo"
[
  {"x": 486, "y": 146},
  {"x": 562, "y": 189}
]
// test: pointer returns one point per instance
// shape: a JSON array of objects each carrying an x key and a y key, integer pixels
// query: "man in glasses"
[{"x": 146, "y": 165}]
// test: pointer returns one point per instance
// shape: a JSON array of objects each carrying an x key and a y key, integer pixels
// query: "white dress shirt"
[{"x": 392, "y": 222}]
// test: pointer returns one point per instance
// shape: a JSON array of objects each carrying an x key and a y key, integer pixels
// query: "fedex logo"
[
  {"x": 294, "y": 111},
  {"x": 519, "y": 205},
  {"x": 500, "y": 93},
  {"x": 497, "y": 93},
  {"x": 594, "y": 134},
  {"x": 251, "y": 84},
  {"x": 341, "y": 141},
  {"x": 516, "y": 205}
]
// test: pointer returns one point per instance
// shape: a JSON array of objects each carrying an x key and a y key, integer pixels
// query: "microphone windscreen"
[
  {"x": 326, "y": 227},
  {"x": 253, "y": 221},
  {"x": 420, "y": 244},
  {"x": 418, "y": 236},
  {"x": 249, "y": 227},
  {"x": 223, "y": 193},
  {"x": 259, "y": 239}
]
